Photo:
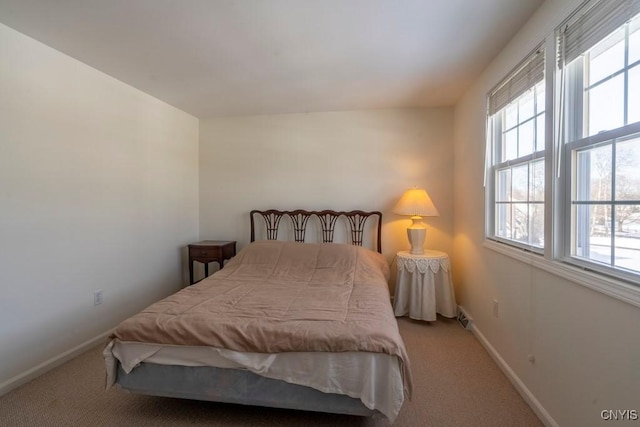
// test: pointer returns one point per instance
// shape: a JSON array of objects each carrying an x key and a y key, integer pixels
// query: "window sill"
[{"x": 611, "y": 287}]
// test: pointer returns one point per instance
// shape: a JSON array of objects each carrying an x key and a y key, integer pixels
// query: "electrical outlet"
[
  {"x": 97, "y": 297},
  {"x": 496, "y": 309}
]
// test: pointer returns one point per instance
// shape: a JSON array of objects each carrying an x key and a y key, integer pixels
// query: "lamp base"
[{"x": 416, "y": 234}]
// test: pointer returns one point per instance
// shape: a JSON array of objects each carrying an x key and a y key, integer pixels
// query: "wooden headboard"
[{"x": 327, "y": 218}]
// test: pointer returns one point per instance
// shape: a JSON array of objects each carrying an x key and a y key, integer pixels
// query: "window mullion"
[
  {"x": 613, "y": 202},
  {"x": 529, "y": 172},
  {"x": 518, "y": 131},
  {"x": 574, "y": 100},
  {"x": 626, "y": 75},
  {"x": 511, "y": 204},
  {"x": 574, "y": 118}
]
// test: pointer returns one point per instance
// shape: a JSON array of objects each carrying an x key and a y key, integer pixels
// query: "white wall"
[
  {"x": 586, "y": 345},
  {"x": 98, "y": 190},
  {"x": 337, "y": 160}
]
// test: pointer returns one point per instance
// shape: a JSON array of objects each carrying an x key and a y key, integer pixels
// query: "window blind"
[
  {"x": 524, "y": 77},
  {"x": 592, "y": 23}
]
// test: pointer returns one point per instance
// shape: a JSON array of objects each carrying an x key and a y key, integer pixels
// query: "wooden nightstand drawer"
[{"x": 203, "y": 253}]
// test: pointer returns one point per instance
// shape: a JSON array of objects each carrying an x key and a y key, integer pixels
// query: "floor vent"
[{"x": 463, "y": 319}]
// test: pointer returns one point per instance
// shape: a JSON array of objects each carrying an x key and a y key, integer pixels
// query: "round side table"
[{"x": 424, "y": 286}]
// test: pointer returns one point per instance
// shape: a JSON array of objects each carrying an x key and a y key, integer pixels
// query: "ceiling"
[{"x": 248, "y": 57}]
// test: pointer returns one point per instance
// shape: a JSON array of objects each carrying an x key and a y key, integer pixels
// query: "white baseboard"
[
  {"x": 53, "y": 362},
  {"x": 526, "y": 394}
]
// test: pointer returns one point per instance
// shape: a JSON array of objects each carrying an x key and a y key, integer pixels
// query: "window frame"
[
  {"x": 569, "y": 153},
  {"x": 576, "y": 137},
  {"x": 494, "y": 150}
]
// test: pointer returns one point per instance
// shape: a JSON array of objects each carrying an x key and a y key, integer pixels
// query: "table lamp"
[{"x": 416, "y": 203}]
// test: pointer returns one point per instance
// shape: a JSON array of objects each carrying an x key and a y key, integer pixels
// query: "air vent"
[{"x": 464, "y": 320}]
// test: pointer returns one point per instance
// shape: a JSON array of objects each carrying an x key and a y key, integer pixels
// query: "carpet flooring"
[{"x": 456, "y": 383}]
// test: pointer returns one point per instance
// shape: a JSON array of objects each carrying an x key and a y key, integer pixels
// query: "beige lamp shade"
[{"x": 416, "y": 203}]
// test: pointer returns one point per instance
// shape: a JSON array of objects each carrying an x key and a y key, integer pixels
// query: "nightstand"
[
  {"x": 424, "y": 286},
  {"x": 210, "y": 251}
]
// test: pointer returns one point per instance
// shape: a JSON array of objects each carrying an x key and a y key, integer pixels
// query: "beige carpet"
[{"x": 456, "y": 383}]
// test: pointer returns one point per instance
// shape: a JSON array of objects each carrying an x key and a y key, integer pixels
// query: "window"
[
  {"x": 570, "y": 195},
  {"x": 517, "y": 149},
  {"x": 600, "y": 158}
]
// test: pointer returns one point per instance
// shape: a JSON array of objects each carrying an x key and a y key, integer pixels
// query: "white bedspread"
[{"x": 374, "y": 378}]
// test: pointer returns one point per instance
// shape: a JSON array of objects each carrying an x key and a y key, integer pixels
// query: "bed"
[{"x": 292, "y": 324}]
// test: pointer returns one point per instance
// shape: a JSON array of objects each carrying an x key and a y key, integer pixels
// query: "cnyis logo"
[{"x": 619, "y": 415}]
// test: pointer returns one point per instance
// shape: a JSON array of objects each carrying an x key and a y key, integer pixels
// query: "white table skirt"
[{"x": 424, "y": 286}]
